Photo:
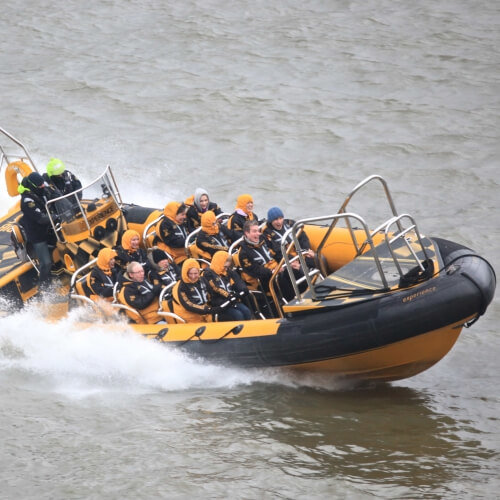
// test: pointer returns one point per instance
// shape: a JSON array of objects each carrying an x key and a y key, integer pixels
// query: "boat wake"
[{"x": 79, "y": 361}]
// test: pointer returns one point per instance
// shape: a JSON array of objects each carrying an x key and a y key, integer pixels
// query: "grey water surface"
[{"x": 295, "y": 103}]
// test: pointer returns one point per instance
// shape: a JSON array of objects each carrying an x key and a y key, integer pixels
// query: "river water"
[{"x": 294, "y": 103}]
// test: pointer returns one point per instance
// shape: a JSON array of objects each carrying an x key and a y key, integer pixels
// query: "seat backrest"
[
  {"x": 79, "y": 288},
  {"x": 202, "y": 257}
]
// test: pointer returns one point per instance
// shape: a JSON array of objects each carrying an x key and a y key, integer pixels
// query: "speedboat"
[{"x": 382, "y": 303}]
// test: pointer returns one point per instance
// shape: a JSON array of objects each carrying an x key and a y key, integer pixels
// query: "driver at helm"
[{"x": 62, "y": 179}]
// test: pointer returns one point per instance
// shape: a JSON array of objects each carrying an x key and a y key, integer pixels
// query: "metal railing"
[
  {"x": 394, "y": 231},
  {"x": 7, "y": 158},
  {"x": 109, "y": 189}
]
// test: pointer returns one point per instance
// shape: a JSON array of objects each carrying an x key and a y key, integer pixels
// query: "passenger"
[
  {"x": 243, "y": 212},
  {"x": 140, "y": 294},
  {"x": 162, "y": 271},
  {"x": 201, "y": 204},
  {"x": 172, "y": 231},
  {"x": 212, "y": 237},
  {"x": 36, "y": 222},
  {"x": 226, "y": 287},
  {"x": 276, "y": 228},
  {"x": 65, "y": 181},
  {"x": 259, "y": 260},
  {"x": 130, "y": 251},
  {"x": 190, "y": 297},
  {"x": 103, "y": 277}
]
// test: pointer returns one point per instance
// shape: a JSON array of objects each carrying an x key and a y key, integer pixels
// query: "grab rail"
[
  {"x": 109, "y": 189},
  {"x": 294, "y": 245},
  {"x": 19, "y": 144}
]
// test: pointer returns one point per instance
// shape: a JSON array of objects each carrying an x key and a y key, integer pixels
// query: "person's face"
[
  {"x": 228, "y": 264},
  {"x": 204, "y": 202},
  {"x": 134, "y": 242},
  {"x": 278, "y": 223},
  {"x": 180, "y": 217},
  {"x": 249, "y": 206},
  {"x": 111, "y": 263},
  {"x": 163, "y": 264},
  {"x": 253, "y": 234},
  {"x": 193, "y": 274},
  {"x": 137, "y": 274}
]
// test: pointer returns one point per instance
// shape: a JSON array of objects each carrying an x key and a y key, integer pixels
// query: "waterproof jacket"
[
  {"x": 35, "y": 220},
  {"x": 101, "y": 284},
  {"x": 239, "y": 217},
  {"x": 223, "y": 287},
  {"x": 171, "y": 236},
  {"x": 141, "y": 296},
  {"x": 211, "y": 243},
  {"x": 258, "y": 260},
  {"x": 66, "y": 183},
  {"x": 275, "y": 237},
  {"x": 190, "y": 300},
  {"x": 164, "y": 277},
  {"x": 194, "y": 214},
  {"x": 123, "y": 257}
]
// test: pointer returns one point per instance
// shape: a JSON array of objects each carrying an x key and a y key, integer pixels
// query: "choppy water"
[{"x": 295, "y": 103}]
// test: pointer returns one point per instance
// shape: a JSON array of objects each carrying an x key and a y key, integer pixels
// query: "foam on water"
[{"x": 79, "y": 359}]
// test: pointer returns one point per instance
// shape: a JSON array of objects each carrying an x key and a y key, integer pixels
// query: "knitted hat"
[
  {"x": 158, "y": 255},
  {"x": 274, "y": 213}
]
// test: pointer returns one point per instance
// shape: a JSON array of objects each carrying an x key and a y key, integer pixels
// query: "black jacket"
[
  {"x": 165, "y": 277},
  {"x": 275, "y": 236},
  {"x": 258, "y": 260},
  {"x": 123, "y": 257},
  {"x": 35, "y": 220},
  {"x": 193, "y": 297},
  {"x": 100, "y": 283},
  {"x": 235, "y": 224},
  {"x": 138, "y": 295},
  {"x": 66, "y": 183},
  {"x": 172, "y": 234},
  {"x": 212, "y": 243},
  {"x": 193, "y": 220},
  {"x": 222, "y": 287}
]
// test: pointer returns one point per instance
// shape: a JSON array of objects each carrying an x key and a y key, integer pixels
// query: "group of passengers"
[
  {"x": 196, "y": 292},
  {"x": 213, "y": 287}
]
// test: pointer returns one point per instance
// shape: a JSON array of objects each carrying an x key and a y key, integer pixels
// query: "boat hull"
[{"x": 387, "y": 337}]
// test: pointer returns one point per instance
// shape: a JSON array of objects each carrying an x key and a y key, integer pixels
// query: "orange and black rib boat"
[{"x": 379, "y": 304}]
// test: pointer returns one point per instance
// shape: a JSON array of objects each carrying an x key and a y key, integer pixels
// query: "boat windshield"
[{"x": 75, "y": 215}]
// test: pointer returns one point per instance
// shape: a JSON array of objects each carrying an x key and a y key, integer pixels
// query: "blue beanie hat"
[{"x": 273, "y": 213}]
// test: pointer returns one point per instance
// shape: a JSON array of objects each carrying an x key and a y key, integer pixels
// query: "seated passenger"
[
  {"x": 103, "y": 277},
  {"x": 140, "y": 294},
  {"x": 201, "y": 204},
  {"x": 276, "y": 228},
  {"x": 172, "y": 231},
  {"x": 226, "y": 287},
  {"x": 243, "y": 212},
  {"x": 190, "y": 296},
  {"x": 130, "y": 251},
  {"x": 212, "y": 237},
  {"x": 162, "y": 271},
  {"x": 259, "y": 260},
  {"x": 60, "y": 178}
]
